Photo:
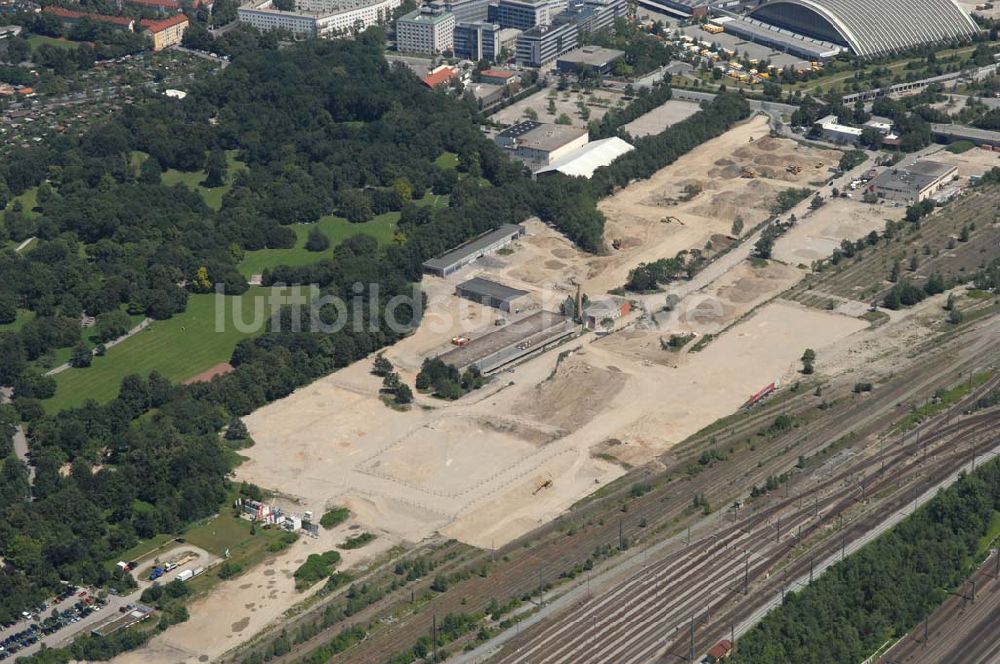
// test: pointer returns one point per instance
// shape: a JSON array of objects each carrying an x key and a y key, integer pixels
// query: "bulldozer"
[{"x": 794, "y": 169}]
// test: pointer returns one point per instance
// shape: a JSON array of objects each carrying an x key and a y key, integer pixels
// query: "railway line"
[
  {"x": 522, "y": 568},
  {"x": 963, "y": 629},
  {"x": 671, "y": 601}
]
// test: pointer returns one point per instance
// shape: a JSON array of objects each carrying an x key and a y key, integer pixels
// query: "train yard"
[
  {"x": 549, "y": 563},
  {"x": 701, "y": 592},
  {"x": 963, "y": 629}
]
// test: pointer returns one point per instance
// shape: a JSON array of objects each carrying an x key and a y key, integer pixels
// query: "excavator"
[
  {"x": 671, "y": 219},
  {"x": 544, "y": 485}
]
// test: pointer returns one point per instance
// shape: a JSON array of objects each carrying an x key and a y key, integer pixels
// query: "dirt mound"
[{"x": 574, "y": 394}]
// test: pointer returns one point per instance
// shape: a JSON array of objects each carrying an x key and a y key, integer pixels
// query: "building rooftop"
[
  {"x": 488, "y": 288},
  {"x": 158, "y": 26},
  {"x": 100, "y": 18},
  {"x": 442, "y": 75},
  {"x": 586, "y": 160},
  {"x": 594, "y": 56},
  {"x": 426, "y": 15},
  {"x": 914, "y": 178},
  {"x": 473, "y": 246},
  {"x": 830, "y": 123},
  {"x": 542, "y": 136},
  {"x": 498, "y": 73},
  {"x": 965, "y": 131}
]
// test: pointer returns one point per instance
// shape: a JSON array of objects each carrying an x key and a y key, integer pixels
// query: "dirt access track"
[{"x": 515, "y": 454}]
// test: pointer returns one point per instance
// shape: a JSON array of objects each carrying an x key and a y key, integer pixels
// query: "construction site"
[{"x": 570, "y": 417}]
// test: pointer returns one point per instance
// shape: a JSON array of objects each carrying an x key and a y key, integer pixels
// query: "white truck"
[{"x": 185, "y": 575}]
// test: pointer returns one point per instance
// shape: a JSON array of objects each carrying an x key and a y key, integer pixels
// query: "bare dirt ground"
[
  {"x": 661, "y": 117},
  {"x": 567, "y": 101},
  {"x": 238, "y": 608},
  {"x": 205, "y": 376},
  {"x": 818, "y": 234},
  {"x": 971, "y": 162},
  {"x": 517, "y": 453}
]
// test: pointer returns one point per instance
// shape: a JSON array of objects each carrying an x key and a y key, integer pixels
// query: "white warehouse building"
[{"x": 428, "y": 30}]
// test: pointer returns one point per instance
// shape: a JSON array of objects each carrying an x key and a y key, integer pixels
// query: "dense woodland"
[
  {"x": 886, "y": 589},
  {"x": 321, "y": 127}
]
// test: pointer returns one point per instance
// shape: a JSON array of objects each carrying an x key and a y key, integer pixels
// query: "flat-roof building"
[
  {"x": 538, "y": 144},
  {"x": 494, "y": 294},
  {"x": 483, "y": 40},
  {"x": 465, "y": 11},
  {"x": 594, "y": 58},
  {"x": 511, "y": 343},
  {"x": 544, "y": 43},
  {"x": 318, "y": 18},
  {"x": 484, "y": 245},
  {"x": 838, "y": 133},
  {"x": 426, "y": 30},
  {"x": 520, "y": 14},
  {"x": 584, "y": 161},
  {"x": 913, "y": 183},
  {"x": 781, "y": 39},
  {"x": 957, "y": 132}
]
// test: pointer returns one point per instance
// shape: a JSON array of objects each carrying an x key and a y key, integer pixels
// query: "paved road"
[{"x": 114, "y": 342}]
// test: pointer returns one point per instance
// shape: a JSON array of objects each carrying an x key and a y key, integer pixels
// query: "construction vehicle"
[
  {"x": 748, "y": 173},
  {"x": 794, "y": 169},
  {"x": 460, "y": 341},
  {"x": 671, "y": 219},
  {"x": 616, "y": 243},
  {"x": 544, "y": 485}
]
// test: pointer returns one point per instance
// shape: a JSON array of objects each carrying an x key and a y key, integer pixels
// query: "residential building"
[
  {"x": 498, "y": 76},
  {"x": 337, "y": 18},
  {"x": 70, "y": 18},
  {"x": 494, "y": 294},
  {"x": 545, "y": 43},
  {"x": 913, "y": 183},
  {"x": 166, "y": 7},
  {"x": 167, "y": 32},
  {"x": 538, "y": 144},
  {"x": 593, "y": 58},
  {"x": 442, "y": 75},
  {"x": 484, "y": 245},
  {"x": 427, "y": 30}
]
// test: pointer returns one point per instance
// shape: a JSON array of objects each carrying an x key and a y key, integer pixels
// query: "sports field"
[{"x": 178, "y": 348}]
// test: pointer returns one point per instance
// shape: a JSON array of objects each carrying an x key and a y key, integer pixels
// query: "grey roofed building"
[
  {"x": 492, "y": 294},
  {"x": 912, "y": 183},
  {"x": 871, "y": 27},
  {"x": 485, "y": 244},
  {"x": 595, "y": 58}
]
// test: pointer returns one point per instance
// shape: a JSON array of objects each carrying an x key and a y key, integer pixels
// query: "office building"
[
  {"x": 328, "y": 18},
  {"x": 483, "y": 40},
  {"x": 521, "y": 14},
  {"x": 545, "y": 43},
  {"x": 427, "y": 30}
]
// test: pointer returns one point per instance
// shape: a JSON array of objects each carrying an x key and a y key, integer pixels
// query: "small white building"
[
  {"x": 539, "y": 144},
  {"x": 836, "y": 132}
]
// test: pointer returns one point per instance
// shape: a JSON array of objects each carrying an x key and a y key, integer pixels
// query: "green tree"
[
  {"x": 81, "y": 357},
  {"x": 215, "y": 169},
  {"x": 317, "y": 240},
  {"x": 150, "y": 172},
  {"x": 808, "y": 358}
]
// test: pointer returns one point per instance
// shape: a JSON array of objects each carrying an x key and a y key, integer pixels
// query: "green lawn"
[
  {"x": 23, "y": 316},
  {"x": 193, "y": 180},
  {"x": 37, "y": 40},
  {"x": 29, "y": 199},
  {"x": 178, "y": 348},
  {"x": 447, "y": 160},
  {"x": 336, "y": 228},
  {"x": 222, "y": 532}
]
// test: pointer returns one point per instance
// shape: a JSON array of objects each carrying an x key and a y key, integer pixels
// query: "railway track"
[
  {"x": 699, "y": 583},
  {"x": 963, "y": 629},
  {"x": 544, "y": 556}
]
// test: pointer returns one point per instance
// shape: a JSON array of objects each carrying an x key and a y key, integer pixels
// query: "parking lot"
[{"x": 53, "y": 621}]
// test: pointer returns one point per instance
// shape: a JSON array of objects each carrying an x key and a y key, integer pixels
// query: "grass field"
[
  {"x": 178, "y": 348},
  {"x": 193, "y": 180},
  {"x": 447, "y": 160},
  {"x": 958, "y": 147},
  {"x": 29, "y": 199},
  {"x": 37, "y": 40},
  {"x": 23, "y": 316},
  {"x": 336, "y": 228}
]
